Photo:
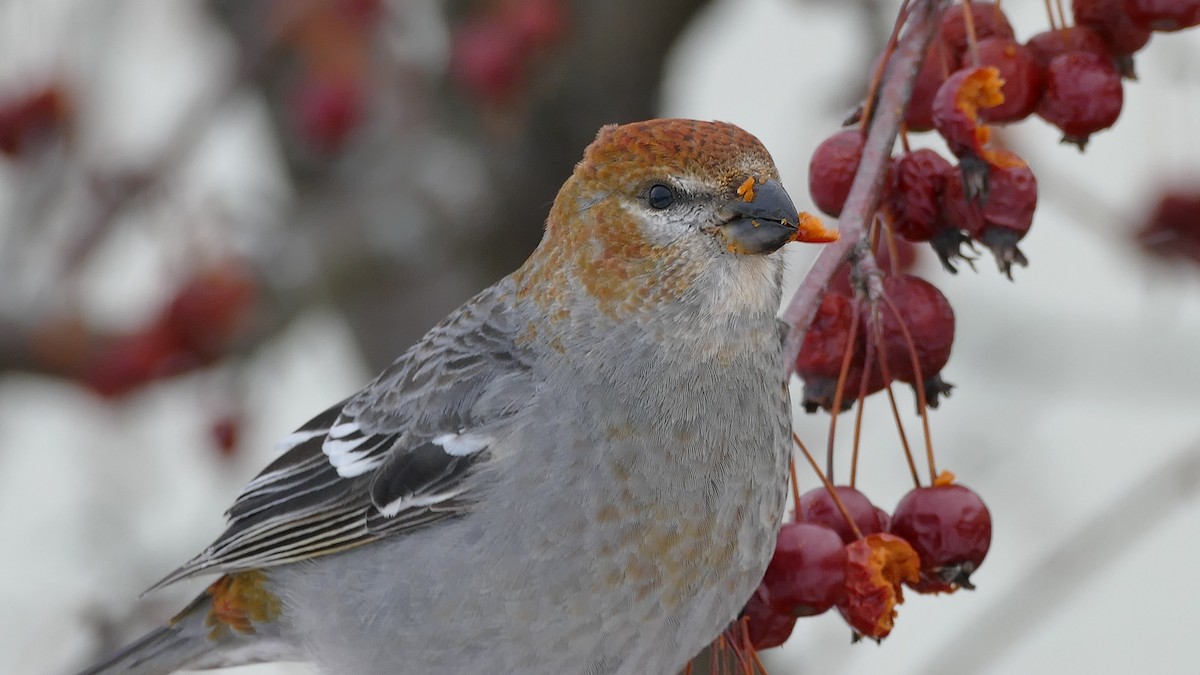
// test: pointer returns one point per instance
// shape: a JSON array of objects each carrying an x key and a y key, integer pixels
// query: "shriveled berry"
[
  {"x": 1022, "y": 78},
  {"x": 989, "y": 20},
  {"x": 876, "y": 566},
  {"x": 912, "y": 199},
  {"x": 1083, "y": 95},
  {"x": 1108, "y": 18},
  {"x": 1008, "y": 214},
  {"x": 766, "y": 627},
  {"x": 817, "y": 506},
  {"x": 929, "y": 320},
  {"x": 951, "y": 529},
  {"x": 807, "y": 574},
  {"x": 1163, "y": 15},
  {"x": 832, "y": 168},
  {"x": 1048, "y": 44},
  {"x": 819, "y": 362}
]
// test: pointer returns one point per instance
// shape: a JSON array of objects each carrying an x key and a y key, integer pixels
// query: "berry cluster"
[
  {"x": 977, "y": 74},
  {"x": 842, "y": 551}
]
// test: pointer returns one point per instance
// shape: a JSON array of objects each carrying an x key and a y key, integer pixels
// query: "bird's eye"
[{"x": 660, "y": 196}]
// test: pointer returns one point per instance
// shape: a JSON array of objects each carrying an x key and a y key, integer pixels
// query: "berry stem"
[
  {"x": 972, "y": 40},
  {"x": 1062, "y": 13},
  {"x": 858, "y": 418},
  {"x": 919, "y": 387},
  {"x": 891, "y": 396},
  {"x": 828, "y": 487},
  {"x": 863, "y": 200},
  {"x": 840, "y": 391},
  {"x": 1050, "y": 15},
  {"x": 795, "y": 488}
]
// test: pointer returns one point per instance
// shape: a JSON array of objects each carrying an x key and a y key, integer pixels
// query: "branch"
[{"x": 861, "y": 204}]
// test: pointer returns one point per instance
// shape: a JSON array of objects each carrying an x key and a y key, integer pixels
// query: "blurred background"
[{"x": 217, "y": 217}]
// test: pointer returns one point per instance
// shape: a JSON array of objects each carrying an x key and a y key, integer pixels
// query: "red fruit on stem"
[
  {"x": 929, "y": 319},
  {"x": 832, "y": 168},
  {"x": 1083, "y": 95},
  {"x": 989, "y": 21},
  {"x": 226, "y": 430},
  {"x": 326, "y": 109},
  {"x": 876, "y": 566},
  {"x": 956, "y": 109},
  {"x": 212, "y": 310},
  {"x": 950, "y": 528},
  {"x": 818, "y": 507},
  {"x": 1008, "y": 214},
  {"x": 31, "y": 118},
  {"x": 1108, "y": 18},
  {"x": 913, "y": 194},
  {"x": 1022, "y": 79},
  {"x": 807, "y": 574},
  {"x": 766, "y": 627},
  {"x": 538, "y": 23},
  {"x": 1048, "y": 44},
  {"x": 819, "y": 362},
  {"x": 1163, "y": 15}
]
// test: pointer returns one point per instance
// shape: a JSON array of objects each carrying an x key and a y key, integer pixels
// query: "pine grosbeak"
[{"x": 581, "y": 470}]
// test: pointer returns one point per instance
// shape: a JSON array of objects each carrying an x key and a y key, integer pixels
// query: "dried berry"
[
  {"x": 1083, "y": 95},
  {"x": 913, "y": 194},
  {"x": 832, "y": 168},
  {"x": 1163, "y": 15},
  {"x": 929, "y": 320},
  {"x": 1008, "y": 214},
  {"x": 1048, "y": 44},
  {"x": 951, "y": 529},
  {"x": 875, "y": 567},
  {"x": 988, "y": 18},
  {"x": 1022, "y": 79},
  {"x": 1108, "y": 18},
  {"x": 807, "y": 574}
]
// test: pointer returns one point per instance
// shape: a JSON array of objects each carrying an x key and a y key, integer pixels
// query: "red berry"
[
  {"x": 989, "y": 20},
  {"x": 1006, "y": 216},
  {"x": 929, "y": 319},
  {"x": 1083, "y": 95},
  {"x": 31, "y": 118},
  {"x": 133, "y": 361},
  {"x": 1163, "y": 15},
  {"x": 326, "y": 110},
  {"x": 832, "y": 168},
  {"x": 539, "y": 23},
  {"x": 766, "y": 627},
  {"x": 913, "y": 195},
  {"x": 957, "y": 105},
  {"x": 226, "y": 431},
  {"x": 951, "y": 529},
  {"x": 818, "y": 507},
  {"x": 1048, "y": 44},
  {"x": 213, "y": 309},
  {"x": 819, "y": 362},
  {"x": 807, "y": 574},
  {"x": 1022, "y": 79},
  {"x": 488, "y": 58},
  {"x": 1108, "y": 18}
]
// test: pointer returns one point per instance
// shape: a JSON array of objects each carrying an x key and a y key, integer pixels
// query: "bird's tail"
[{"x": 231, "y": 623}]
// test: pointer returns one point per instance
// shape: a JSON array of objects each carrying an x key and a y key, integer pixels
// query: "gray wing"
[{"x": 393, "y": 457}]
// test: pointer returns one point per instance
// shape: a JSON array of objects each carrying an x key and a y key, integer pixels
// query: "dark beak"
[{"x": 762, "y": 224}]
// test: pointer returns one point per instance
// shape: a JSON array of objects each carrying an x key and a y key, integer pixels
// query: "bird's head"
[{"x": 669, "y": 210}]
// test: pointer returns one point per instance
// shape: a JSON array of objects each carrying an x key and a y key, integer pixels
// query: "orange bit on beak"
[
  {"x": 810, "y": 230},
  {"x": 746, "y": 189}
]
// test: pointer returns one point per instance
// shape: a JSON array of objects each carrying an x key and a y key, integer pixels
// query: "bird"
[{"x": 582, "y": 469}]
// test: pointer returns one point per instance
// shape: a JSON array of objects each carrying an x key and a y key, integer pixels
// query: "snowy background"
[{"x": 1077, "y": 412}]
